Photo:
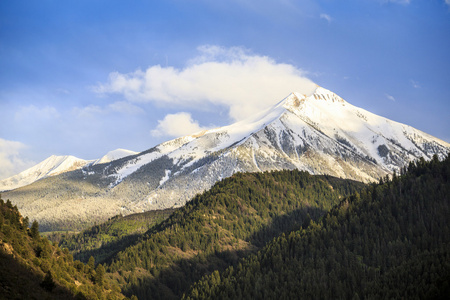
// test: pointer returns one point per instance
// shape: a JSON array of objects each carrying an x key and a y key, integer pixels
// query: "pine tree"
[
  {"x": 91, "y": 263},
  {"x": 99, "y": 273},
  {"x": 34, "y": 230}
]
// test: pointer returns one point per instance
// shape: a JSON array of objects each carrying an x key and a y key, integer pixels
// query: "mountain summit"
[
  {"x": 55, "y": 165},
  {"x": 320, "y": 133},
  {"x": 51, "y": 166}
]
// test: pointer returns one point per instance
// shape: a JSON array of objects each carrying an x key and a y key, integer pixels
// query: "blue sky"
[{"x": 85, "y": 77}]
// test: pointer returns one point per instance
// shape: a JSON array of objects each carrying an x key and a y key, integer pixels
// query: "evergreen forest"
[
  {"x": 31, "y": 267},
  {"x": 272, "y": 235},
  {"x": 390, "y": 241},
  {"x": 105, "y": 240},
  {"x": 236, "y": 217}
]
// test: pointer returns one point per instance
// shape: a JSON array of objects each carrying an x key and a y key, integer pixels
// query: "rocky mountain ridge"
[{"x": 320, "y": 133}]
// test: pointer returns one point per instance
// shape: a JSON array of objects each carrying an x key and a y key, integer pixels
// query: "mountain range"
[
  {"x": 320, "y": 133},
  {"x": 55, "y": 165}
]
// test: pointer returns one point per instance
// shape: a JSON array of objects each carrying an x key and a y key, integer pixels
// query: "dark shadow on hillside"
[
  {"x": 174, "y": 281},
  {"x": 106, "y": 252},
  {"x": 19, "y": 282}
]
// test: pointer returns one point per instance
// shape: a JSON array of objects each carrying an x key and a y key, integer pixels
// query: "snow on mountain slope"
[
  {"x": 322, "y": 121},
  {"x": 320, "y": 133},
  {"x": 113, "y": 155},
  {"x": 55, "y": 165},
  {"x": 52, "y": 166}
]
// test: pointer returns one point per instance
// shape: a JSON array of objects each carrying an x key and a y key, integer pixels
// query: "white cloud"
[
  {"x": 232, "y": 77},
  {"x": 32, "y": 113},
  {"x": 447, "y": 2},
  {"x": 390, "y": 97},
  {"x": 176, "y": 125},
  {"x": 11, "y": 160},
  {"x": 326, "y": 17}
]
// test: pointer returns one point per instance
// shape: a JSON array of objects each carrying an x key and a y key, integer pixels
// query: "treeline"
[
  {"x": 390, "y": 241},
  {"x": 32, "y": 268},
  {"x": 103, "y": 241},
  {"x": 237, "y": 216}
]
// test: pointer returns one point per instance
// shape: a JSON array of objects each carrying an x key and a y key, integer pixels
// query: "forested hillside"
[
  {"x": 103, "y": 241},
  {"x": 390, "y": 241},
  {"x": 32, "y": 268},
  {"x": 238, "y": 216}
]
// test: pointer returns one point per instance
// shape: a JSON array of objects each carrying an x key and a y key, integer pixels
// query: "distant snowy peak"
[
  {"x": 54, "y": 165},
  {"x": 113, "y": 155},
  {"x": 61, "y": 164}
]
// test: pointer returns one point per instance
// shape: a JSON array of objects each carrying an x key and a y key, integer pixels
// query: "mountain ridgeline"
[
  {"x": 320, "y": 133},
  {"x": 390, "y": 241}
]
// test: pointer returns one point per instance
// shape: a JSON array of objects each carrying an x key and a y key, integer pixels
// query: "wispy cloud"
[
  {"x": 414, "y": 83},
  {"x": 232, "y": 77},
  {"x": 447, "y": 2},
  {"x": 90, "y": 111},
  {"x": 404, "y": 2},
  {"x": 32, "y": 113},
  {"x": 176, "y": 125},
  {"x": 94, "y": 111},
  {"x": 390, "y": 97},
  {"x": 11, "y": 158},
  {"x": 326, "y": 17}
]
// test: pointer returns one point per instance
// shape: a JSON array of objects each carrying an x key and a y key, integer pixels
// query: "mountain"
[
  {"x": 52, "y": 166},
  {"x": 320, "y": 133},
  {"x": 55, "y": 165},
  {"x": 113, "y": 155},
  {"x": 391, "y": 241}
]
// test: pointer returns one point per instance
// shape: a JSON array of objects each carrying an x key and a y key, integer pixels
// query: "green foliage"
[
  {"x": 390, "y": 241},
  {"x": 105, "y": 240},
  {"x": 34, "y": 230},
  {"x": 99, "y": 273},
  {"x": 32, "y": 268},
  {"x": 91, "y": 263},
  {"x": 237, "y": 216}
]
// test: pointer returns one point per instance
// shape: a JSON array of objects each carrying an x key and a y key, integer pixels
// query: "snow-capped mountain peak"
[
  {"x": 323, "y": 94},
  {"x": 113, "y": 155},
  {"x": 320, "y": 133},
  {"x": 54, "y": 165}
]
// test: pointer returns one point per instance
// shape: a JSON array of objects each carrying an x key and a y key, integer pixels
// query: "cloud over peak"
[
  {"x": 11, "y": 158},
  {"x": 232, "y": 77},
  {"x": 176, "y": 125}
]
